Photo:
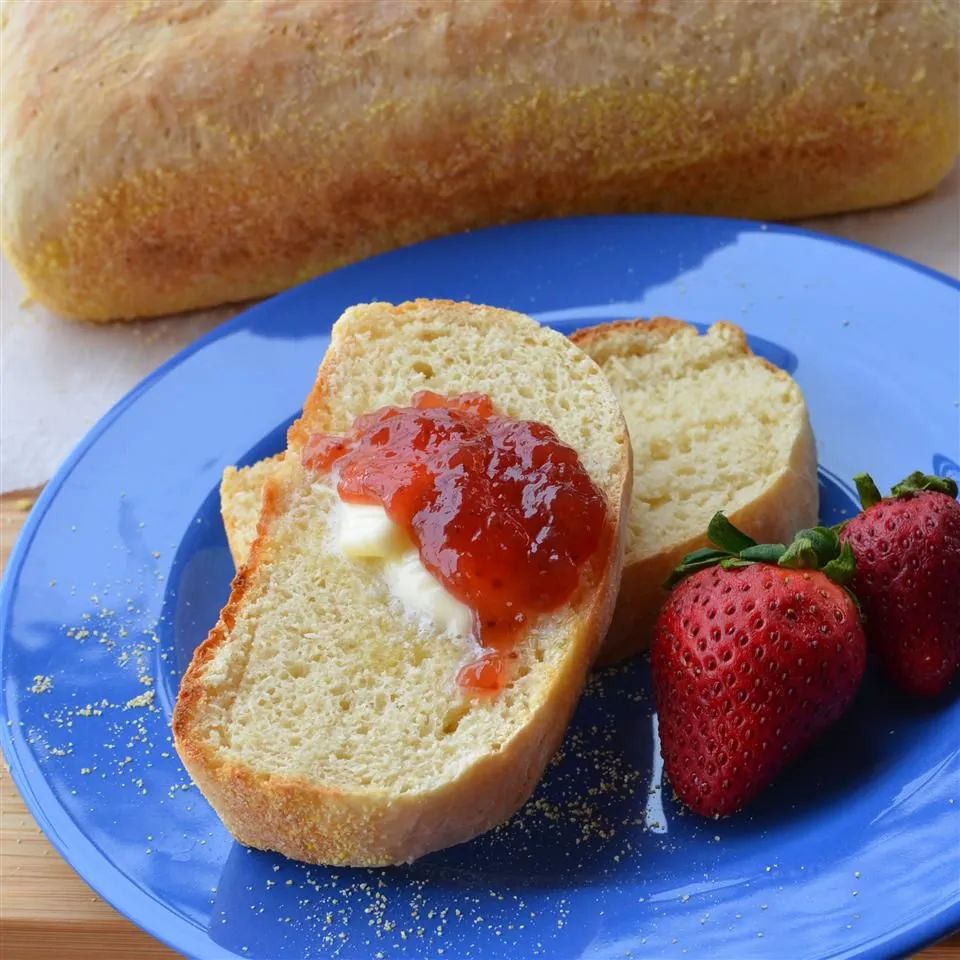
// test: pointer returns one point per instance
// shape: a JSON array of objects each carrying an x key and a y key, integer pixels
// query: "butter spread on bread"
[{"x": 365, "y": 532}]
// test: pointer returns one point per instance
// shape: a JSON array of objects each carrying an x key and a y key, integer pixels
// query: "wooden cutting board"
[{"x": 46, "y": 911}]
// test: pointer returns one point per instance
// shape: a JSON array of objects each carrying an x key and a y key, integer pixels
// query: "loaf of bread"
[
  {"x": 713, "y": 427},
  {"x": 165, "y": 155},
  {"x": 320, "y": 721}
]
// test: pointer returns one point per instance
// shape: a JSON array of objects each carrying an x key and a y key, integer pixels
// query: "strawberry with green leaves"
[
  {"x": 907, "y": 547},
  {"x": 757, "y": 651}
]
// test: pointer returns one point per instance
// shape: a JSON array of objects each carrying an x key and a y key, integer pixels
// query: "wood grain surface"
[{"x": 47, "y": 912}]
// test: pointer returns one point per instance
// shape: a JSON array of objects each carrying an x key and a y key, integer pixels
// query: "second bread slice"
[{"x": 713, "y": 427}]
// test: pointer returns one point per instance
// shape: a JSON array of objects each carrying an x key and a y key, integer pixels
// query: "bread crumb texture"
[
  {"x": 713, "y": 426},
  {"x": 325, "y": 678},
  {"x": 243, "y": 490}
]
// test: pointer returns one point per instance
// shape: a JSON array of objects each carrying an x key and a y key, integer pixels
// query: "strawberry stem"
[
  {"x": 868, "y": 490},
  {"x": 800, "y": 555},
  {"x": 919, "y": 482},
  {"x": 764, "y": 553},
  {"x": 818, "y": 545},
  {"x": 842, "y": 568},
  {"x": 817, "y": 548},
  {"x": 726, "y": 536}
]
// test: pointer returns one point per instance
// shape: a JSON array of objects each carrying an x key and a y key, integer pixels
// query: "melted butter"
[{"x": 365, "y": 532}]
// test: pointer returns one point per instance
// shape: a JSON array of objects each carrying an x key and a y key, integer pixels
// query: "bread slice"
[
  {"x": 241, "y": 496},
  {"x": 316, "y": 718},
  {"x": 713, "y": 427}
]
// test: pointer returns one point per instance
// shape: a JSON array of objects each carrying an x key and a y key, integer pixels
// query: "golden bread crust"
[{"x": 193, "y": 154}]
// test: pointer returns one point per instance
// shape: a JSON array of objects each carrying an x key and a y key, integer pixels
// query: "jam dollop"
[{"x": 502, "y": 513}]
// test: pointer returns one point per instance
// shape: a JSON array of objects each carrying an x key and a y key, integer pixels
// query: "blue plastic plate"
[{"x": 123, "y": 566}]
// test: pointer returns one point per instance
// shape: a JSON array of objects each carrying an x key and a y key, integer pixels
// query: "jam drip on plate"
[{"x": 503, "y": 514}]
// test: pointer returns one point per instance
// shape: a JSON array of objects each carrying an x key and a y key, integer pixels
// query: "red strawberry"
[
  {"x": 754, "y": 655},
  {"x": 908, "y": 578}
]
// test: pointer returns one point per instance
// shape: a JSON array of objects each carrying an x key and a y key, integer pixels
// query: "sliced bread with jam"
[
  {"x": 318, "y": 718},
  {"x": 713, "y": 427}
]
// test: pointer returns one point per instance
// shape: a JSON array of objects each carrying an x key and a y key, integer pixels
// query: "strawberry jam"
[{"x": 502, "y": 513}]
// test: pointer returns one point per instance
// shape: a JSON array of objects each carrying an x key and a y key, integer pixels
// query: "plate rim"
[{"x": 113, "y": 883}]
